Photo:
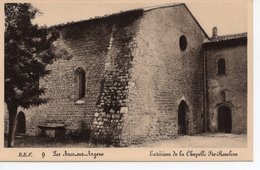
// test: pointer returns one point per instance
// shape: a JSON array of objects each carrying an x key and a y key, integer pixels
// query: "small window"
[
  {"x": 223, "y": 96},
  {"x": 183, "y": 43},
  {"x": 221, "y": 66},
  {"x": 80, "y": 82}
]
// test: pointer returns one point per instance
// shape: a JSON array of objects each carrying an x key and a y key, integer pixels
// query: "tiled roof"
[{"x": 226, "y": 38}]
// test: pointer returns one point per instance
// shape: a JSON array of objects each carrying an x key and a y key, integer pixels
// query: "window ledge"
[{"x": 80, "y": 101}]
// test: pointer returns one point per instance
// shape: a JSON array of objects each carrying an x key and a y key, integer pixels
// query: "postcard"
[{"x": 126, "y": 81}]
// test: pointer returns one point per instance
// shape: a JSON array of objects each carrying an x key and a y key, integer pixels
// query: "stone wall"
[
  {"x": 234, "y": 83},
  {"x": 83, "y": 45},
  {"x": 162, "y": 76},
  {"x": 112, "y": 105}
]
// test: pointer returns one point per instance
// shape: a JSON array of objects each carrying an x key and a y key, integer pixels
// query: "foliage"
[{"x": 28, "y": 50}]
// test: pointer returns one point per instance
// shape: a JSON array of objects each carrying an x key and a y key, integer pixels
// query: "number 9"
[{"x": 43, "y": 154}]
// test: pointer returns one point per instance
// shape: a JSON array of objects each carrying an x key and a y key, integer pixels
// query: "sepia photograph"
[{"x": 128, "y": 75}]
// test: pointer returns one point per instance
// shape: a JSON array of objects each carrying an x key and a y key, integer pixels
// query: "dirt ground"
[
  {"x": 46, "y": 142},
  {"x": 202, "y": 140}
]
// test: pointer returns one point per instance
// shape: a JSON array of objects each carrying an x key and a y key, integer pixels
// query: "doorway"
[
  {"x": 182, "y": 114},
  {"x": 224, "y": 119},
  {"x": 20, "y": 126}
]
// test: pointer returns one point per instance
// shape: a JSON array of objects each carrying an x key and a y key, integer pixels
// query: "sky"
[{"x": 230, "y": 16}]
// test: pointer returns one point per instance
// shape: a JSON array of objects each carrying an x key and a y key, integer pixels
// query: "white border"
[{"x": 177, "y": 165}]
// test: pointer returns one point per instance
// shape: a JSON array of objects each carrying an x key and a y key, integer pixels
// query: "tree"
[{"x": 28, "y": 51}]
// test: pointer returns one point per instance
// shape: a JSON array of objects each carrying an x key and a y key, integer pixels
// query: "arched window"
[
  {"x": 221, "y": 66},
  {"x": 80, "y": 82}
]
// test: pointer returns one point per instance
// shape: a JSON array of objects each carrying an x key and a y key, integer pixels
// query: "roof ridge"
[
  {"x": 96, "y": 17},
  {"x": 118, "y": 13},
  {"x": 161, "y": 6},
  {"x": 236, "y": 34}
]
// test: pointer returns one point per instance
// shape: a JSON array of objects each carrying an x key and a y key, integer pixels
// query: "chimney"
[{"x": 214, "y": 32}]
